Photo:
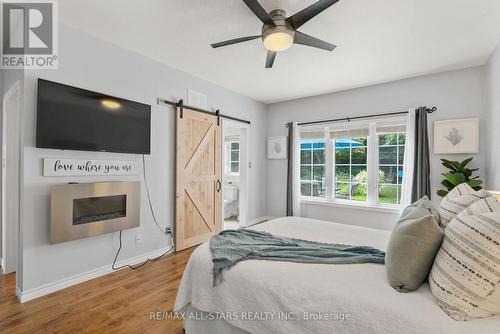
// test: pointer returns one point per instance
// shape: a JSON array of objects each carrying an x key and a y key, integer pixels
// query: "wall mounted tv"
[{"x": 71, "y": 118}]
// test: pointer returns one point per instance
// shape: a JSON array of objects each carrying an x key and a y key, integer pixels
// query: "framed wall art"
[
  {"x": 456, "y": 136},
  {"x": 277, "y": 147}
]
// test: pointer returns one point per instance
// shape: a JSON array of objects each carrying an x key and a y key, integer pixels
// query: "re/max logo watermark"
[{"x": 29, "y": 37}]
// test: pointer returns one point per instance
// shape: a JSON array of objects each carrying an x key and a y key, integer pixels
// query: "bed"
[{"x": 281, "y": 297}]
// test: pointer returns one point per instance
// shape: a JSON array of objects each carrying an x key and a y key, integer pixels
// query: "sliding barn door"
[{"x": 198, "y": 178}]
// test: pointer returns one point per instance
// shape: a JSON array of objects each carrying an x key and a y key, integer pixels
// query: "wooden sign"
[{"x": 88, "y": 167}]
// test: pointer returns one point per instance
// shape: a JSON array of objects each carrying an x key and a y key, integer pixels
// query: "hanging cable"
[
  {"x": 140, "y": 265},
  {"x": 167, "y": 230}
]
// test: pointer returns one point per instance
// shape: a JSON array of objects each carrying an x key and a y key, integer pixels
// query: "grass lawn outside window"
[{"x": 363, "y": 166}]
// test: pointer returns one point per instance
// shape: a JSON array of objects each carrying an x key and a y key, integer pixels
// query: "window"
[
  {"x": 363, "y": 164},
  {"x": 312, "y": 168},
  {"x": 233, "y": 154},
  {"x": 391, "y": 157},
  {"x": 351, "y": 169}
]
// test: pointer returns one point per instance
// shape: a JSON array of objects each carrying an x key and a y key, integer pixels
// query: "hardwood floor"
[{"x": 120, "y": 302}]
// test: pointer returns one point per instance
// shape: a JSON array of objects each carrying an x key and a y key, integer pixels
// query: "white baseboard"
[
  {"x": 43, "y": 290},
  {"x": 259, "y": 220}
]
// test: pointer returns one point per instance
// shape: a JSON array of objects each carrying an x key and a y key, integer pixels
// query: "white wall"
[
  {"x": 93, "y": 64},
  {"x": 493, "y": 120},
  {"x": 456, "y": 94}
]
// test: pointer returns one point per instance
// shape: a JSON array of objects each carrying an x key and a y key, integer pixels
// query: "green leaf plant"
[{"x": 458, "y": 174}]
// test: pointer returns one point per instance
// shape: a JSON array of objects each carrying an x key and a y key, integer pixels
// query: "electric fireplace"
[{"x": 83, "y": 210}]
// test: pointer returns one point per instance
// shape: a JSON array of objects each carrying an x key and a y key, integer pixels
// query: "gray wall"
[
  {"x": 493, "y": 120},
  {"x": 90, "y": 63},
  {"x": 2, "y": 92},
  {"x": 457, "y": 94}
]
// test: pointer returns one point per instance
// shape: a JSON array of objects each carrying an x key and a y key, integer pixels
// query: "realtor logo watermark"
[{"x": 29, "y": 34}]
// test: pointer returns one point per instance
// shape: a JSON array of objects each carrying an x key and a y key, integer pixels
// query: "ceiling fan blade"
[
  {"x": 298, "y": 19},
  {"x": 271, "y": 55},
  {"x": 259, "y": 11},
  {"x": 234, "y": 41},
  {"x": 304, "y": 39}
]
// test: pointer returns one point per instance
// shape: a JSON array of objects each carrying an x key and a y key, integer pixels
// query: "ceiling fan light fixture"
[
  {"x": 279, "y": 32},
  {"x": 277, "y": 39}
]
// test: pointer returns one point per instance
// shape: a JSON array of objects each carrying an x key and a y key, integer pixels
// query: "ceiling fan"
[{"x": 279, "y": 32}]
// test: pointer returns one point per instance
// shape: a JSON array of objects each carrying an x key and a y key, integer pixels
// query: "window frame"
[
  {"x": 229, "y": 160},
  {"x": 350, "y": 165},
  {"x": 312, "y": 181},
  {"x": 372, "y": 163},
  {"x": 398, "y": 185}
]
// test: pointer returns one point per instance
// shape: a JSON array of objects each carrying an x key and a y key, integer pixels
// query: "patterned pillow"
[
  {"x": 465, "y": 276},
  {"x": 485, "y": 205},
  {"x": 457, "y": 200}
]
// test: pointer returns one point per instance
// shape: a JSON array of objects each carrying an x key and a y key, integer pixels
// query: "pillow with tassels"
[{"x": 465, "y": 276}]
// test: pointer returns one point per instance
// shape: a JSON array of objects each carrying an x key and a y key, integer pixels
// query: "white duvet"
[{"x": 275, "y": 297}]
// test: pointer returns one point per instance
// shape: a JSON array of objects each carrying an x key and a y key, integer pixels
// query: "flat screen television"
[{"x": 70, "y": 118}]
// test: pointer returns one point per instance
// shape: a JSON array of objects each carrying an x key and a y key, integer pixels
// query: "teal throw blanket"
[{"x": 233, "y": 246}]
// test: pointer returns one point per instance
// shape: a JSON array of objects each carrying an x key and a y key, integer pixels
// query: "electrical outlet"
[{"x": 138, "y": 238}]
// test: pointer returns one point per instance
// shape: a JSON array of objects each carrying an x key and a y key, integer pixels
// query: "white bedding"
[{"x": 358, "y": 290}]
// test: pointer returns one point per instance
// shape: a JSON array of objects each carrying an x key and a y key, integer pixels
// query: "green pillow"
[
  {"x": 414, "y": 243},
  {"x": 427, "y": 204}
]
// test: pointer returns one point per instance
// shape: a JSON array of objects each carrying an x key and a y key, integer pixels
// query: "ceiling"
[{"x": 378, "y": 40}]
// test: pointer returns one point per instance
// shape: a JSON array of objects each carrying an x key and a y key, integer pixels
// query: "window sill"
[{"x": 346, "y": 204}]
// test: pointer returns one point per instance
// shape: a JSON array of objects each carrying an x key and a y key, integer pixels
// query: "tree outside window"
[
  {"x": 312, "y": 168},
  {"x": 363, "y": 164},
  {"x": 391, "y": 157},
  {"x": 351, "y": 168}
]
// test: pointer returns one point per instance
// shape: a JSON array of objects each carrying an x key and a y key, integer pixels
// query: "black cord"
[
  {"x": 140, "y": 265},
  {"x": 149, "y": 197},
  {"x": 167, "y": 231}
]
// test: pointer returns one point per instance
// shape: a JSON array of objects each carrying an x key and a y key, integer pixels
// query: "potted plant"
[{"x": 458, "y": 174}]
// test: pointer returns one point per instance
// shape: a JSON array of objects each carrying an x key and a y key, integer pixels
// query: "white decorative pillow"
[
  {"x": 457, "y": 200},
  {"x": 485, "y": 205},
  {"x": 465, "y": 276}
]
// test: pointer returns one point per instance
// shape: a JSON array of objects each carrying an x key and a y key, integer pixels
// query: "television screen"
[{"x": 70, "y": 118}]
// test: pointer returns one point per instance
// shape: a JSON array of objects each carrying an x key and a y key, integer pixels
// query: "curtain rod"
[
  {"x": 348, "y": 119},
  {"x": 163, "y": 102}
]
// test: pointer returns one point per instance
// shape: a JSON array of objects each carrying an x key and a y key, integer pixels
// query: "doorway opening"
[{"x": 234, "y": 174}]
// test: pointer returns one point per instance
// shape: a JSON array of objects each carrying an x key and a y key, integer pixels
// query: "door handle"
[{"x": 218, "y": 186}]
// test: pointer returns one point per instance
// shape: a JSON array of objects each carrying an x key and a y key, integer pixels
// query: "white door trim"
[
  {"x": 244, "y": 169},
  {"x": 10, "y": 177}
]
